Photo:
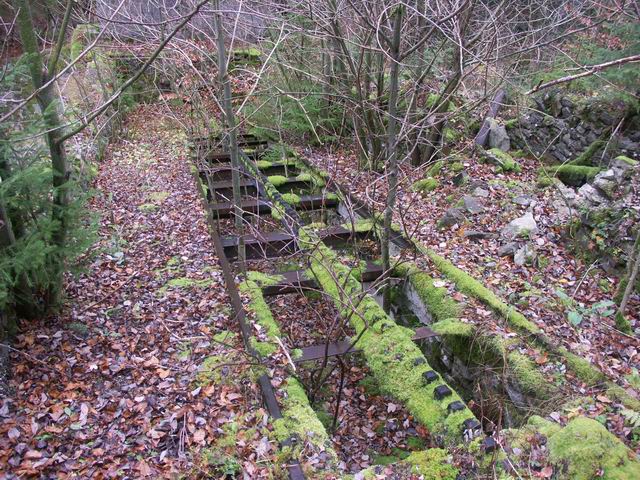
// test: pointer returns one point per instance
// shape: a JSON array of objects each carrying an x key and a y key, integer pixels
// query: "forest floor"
[{"x": 114, "y": 386}]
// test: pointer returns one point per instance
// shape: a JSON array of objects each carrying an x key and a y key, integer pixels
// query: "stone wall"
[{"x": 561, "y": 128}]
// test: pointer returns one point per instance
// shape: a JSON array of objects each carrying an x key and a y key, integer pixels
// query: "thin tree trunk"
[
  {"x": 230, "y": 123},
  {"x": 392, "y": 152},
  {"x": 60, "y": 168},
  {"x": 627, "y": 285}
]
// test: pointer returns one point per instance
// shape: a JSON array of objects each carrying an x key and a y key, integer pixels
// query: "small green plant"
[{"x": 576, "y": 313}]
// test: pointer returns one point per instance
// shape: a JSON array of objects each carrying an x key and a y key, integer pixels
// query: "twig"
[
  {"x": 97, "y": 302},
  {"x": 30, "y": 357}
]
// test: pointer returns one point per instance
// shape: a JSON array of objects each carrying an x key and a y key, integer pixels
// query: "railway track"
[{"x": 329, "y": 239}]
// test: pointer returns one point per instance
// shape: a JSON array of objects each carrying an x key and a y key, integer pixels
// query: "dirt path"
[{"x": 114, "y": 386}]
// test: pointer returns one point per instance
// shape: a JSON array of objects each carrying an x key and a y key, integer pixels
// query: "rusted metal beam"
[{"x": 344, "y": 347}]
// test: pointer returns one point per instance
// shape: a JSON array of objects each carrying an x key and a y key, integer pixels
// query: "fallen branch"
[{"x": 593, "y": 69}]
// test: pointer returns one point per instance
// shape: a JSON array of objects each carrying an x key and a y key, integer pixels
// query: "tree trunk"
[
  {"x": 392, "y": 152},
  {"x": 230, "y": 124},
  {"x": 46, "y": 98}
]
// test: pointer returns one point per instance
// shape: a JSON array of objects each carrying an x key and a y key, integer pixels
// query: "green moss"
[
  {"x": 627, "y": 160},
  {"x": 453, "y": 327},
  {"x": 291, "y": 198},
  {"x": 620, "y": 394},
  {"x": 314, "y": 178},
  {"x": 264, "y": 279},
  {"x": 582, "y": 368},
  {"x": 502, "y": 159},
  {"x": 300, "y": 421},
  {"x": 158, "y": 197},
  {"x": 148, "y": 207},
  {"x": 264, "y": 349},
  {"x": 262, "y": 315},
  {"x": 388, "y": 348},
  {"x": 622, "y": 323},
  {"x": 277, "y": 180},
  {"x": 470, "y": 286},
  {"x": 184, "y": 282},
  {"x": 544, "y": 426},
  {"x": 432, "y": 464},
  {"x": 512, "y": 123},
  {"x": 528, "y": 375},
  {"x": 584, "y": 449},
  {"x": 451, "y": 135},
  {"x": 435, "y": 169},
  {"x": 585, "y": 157},
  {"x": 456, "y": 167},
  {"x": 575, "y": 175},
  {"x": 360, "y": 226},
  {"x": 425, "y": 185},
  {"x": 263, "y": 164},
  {"x": 436, "y": 299}
]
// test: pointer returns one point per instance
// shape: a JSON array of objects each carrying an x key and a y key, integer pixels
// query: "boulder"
[
  {"x": 481, "y": 192},
  {"x": 451, "y": 217},
  {"x": 507, "y": 249},
  {"x": 524, "y": 200},
  {"x": 520, "y": 227},
  {"x": 498, "y": 137},
  {"x": 588, "y": 196},
  {"x": 472, "y": 204}
]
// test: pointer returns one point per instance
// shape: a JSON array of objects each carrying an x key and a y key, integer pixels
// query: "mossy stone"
[
  {"x": 584, "y": 449},
  {"x": 425, "y": 185}
]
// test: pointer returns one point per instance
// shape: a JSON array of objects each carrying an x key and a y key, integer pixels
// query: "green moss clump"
[
  {"x": 148, "y": 207},
  {"x": 277, "y": 180},
  {"x": 585, "y": 157},
  {"x": 450, "y": 135},
  {"x": 544, "y": 181},
  {"x": 360, "y": 226},
  {"x": 575, "y": 175},
  {"x": 435, "y": 169},
  {"x": 425, "y": 185},
  {"x": 622, "y": 323},
  {"x": 291, "y": 198},
  {"x": 262, "y": 316},
  {"x": 300, "y": 421},
  {"x": 512, "y": 123},
  {"x": 432, "y": 464},
  {"x": 456, "y": 167},
  {"x": 587, "y": 450},
  {"x": 627, "y": 160},
  {"x": 582, "y": 368},
  {"x": 264, "y": 279},
  {"x": 502, "y": 159}
]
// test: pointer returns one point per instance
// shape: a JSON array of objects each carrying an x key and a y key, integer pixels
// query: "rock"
[
  {"x": 607, "y": 186},
  {"x": 472, "y": 204},
  {"x": 480, "y": 192},
  {"x": 524, "y": 200},
  {"x": 622, "y": 168},
  {"x": 478, "y": 235},
  {"x": 520, "y": 227},
  {"x": 501, "y": 159},
  {"x": 451, "y": 217},
  {"x": 588, "y": 196},
  {"x": 525, "y": 255},
  {"x": 507, "y": 249},
  {"x": 460, "y": 179},
  {"x": 498, "y": 137}
]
